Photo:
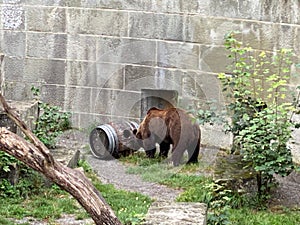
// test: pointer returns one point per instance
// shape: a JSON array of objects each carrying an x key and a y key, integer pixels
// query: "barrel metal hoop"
[
  {"x": 113, "y": 139},
  {"x": 133, "y": 125},
  {"x": 116, "y": 139}
]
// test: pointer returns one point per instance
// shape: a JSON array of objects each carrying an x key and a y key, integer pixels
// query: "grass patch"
[
  {"x": 50, "y": 203},
  {"x": 129, "y": 206},
  {"x": 247, "y": 216},
  {"x": 197, "y": 188},
  {"x": 155, "y": 170},
  {"x": 9, "y": 222},
  {"x": 193, "y": 186},
  {"x": 154, "y": 173}
]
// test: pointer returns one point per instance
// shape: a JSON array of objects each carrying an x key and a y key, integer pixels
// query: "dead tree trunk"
[{"x": 38, "y": 157}]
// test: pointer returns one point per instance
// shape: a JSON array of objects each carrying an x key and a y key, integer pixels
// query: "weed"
[
  {"x": 84, "y": 164},
  {"x": 51, "y": 121}
]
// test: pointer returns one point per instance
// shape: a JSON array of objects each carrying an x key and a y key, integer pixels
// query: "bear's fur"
[{"x": 170, "y": 126}]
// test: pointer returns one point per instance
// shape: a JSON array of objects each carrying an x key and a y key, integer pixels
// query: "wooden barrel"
[{"x": 114, "y": 139}]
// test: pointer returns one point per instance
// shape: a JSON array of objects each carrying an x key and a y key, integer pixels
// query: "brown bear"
[{"x": 170, "y": 126}]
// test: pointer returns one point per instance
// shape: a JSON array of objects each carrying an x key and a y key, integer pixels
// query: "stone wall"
[{"x": 93, "y": 57}]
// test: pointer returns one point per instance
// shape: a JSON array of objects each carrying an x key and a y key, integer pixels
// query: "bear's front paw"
[
  {"x": 150, "y": 154},
  {"x": 175, "y": 164}
]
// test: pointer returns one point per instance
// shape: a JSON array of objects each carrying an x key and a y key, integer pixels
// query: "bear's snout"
[{"x": 137, "y": 134}]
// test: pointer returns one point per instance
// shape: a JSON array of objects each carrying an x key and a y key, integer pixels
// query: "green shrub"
[
  {"x": 51, "y": 121},
  {"x": 260, "y": 108},
  {"x": 6, "y": 161},
  {"x": 49, "y": 125}
]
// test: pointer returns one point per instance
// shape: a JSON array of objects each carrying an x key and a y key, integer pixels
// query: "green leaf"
[{"x": 6, "y": 168}]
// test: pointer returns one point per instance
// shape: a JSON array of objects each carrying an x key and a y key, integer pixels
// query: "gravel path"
[
  {"x": 114, "y": 172},
  {"x": 110, "y": 171}
]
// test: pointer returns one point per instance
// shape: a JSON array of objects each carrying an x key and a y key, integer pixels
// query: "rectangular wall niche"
[{"x": 159, "y": 98}]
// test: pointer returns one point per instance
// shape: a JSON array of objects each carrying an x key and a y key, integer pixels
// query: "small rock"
[{"x": 176, "y": 213}]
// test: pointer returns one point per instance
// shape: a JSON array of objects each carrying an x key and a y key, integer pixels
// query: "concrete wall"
[{"x": 93, "y": 57}]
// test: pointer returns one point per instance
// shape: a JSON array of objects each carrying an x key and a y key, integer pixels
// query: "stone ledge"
[
  {"x": 176, "y": 213},
  {"x": 27, "y": 110}
]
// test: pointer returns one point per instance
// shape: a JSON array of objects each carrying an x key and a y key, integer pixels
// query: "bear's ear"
[{"x": 151, "y": 109}]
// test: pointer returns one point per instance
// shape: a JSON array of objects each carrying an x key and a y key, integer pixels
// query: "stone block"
[
  {"x": 160, "y": 98},
  {"x": 130, "y": 51},
  {"x": 81, "y": 47},
  {"x": 125, "y": 104},
  {"x": 80, "y": 73},
  {"x": 89, "y": 121},
  {"x": 295, "y": 151},
  {"x": 45, "y": 71},
  {"x": 208, "y": 87},
  {"x": 13, "y": 43},
  {"x": 28, "y": 113},
  {"x": 109, "y": 76},
  {"x": 189, "y": 85},
  {"x": 35, "y": 70},
  {"x": 75, "y": 120},
  {"x": 91, "y": 74},
  {"x": 169, "y": 79},
  {"x": 280, "y": 12},
  {"x": 213, "y": 59},
  {"x": 250, "y": 10},
  {"x": 156, "y": 26},
  {"x": 45, "y": 2},
  {"x": 260, "y": 35},
  {"x": 136, "y": 5},
  {"x": 178, "y": 55},
  {"x": 19, "y": 91},
  {"x": 205, "y": 30},
  {"x": 228, "y": 8},
  {"x": 46, "y": 19},
  {"x": 294, "y": 143},
  {"x": 91, "y": 21},
  {"x": 183, "y": 6},
  {"x": 296, "y": 46},
  {"x": 285, "y": 36},
  {"x": 13, "y": 17},
  {"x": 101, "y": 101},
  {"x": 53, "y": 94},
  {"x": 174, "y": 213},
  {"x": 78, "y": 99},
  {"x": 13, "y": 69},
  {"x": 1, "y": 20},
  {"x": 139, "y": 77},
  {"x": 191, "y": 103},
  {"x": 45, "y": 45},
  {"x": 295, "y": 71},
  {"x": 215, "y": 136}
]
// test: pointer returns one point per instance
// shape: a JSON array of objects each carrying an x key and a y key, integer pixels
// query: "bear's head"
[{"x": 152, "y": 129}]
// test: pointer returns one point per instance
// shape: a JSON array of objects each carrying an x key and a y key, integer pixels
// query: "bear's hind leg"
[
  {"x": 177, "y": 153},
  {"x": 193, "y": 153},
  {"x": 164, "y": 149}
]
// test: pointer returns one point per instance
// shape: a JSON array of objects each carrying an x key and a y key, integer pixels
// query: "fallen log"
[{"x": 37, "y": 156}]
